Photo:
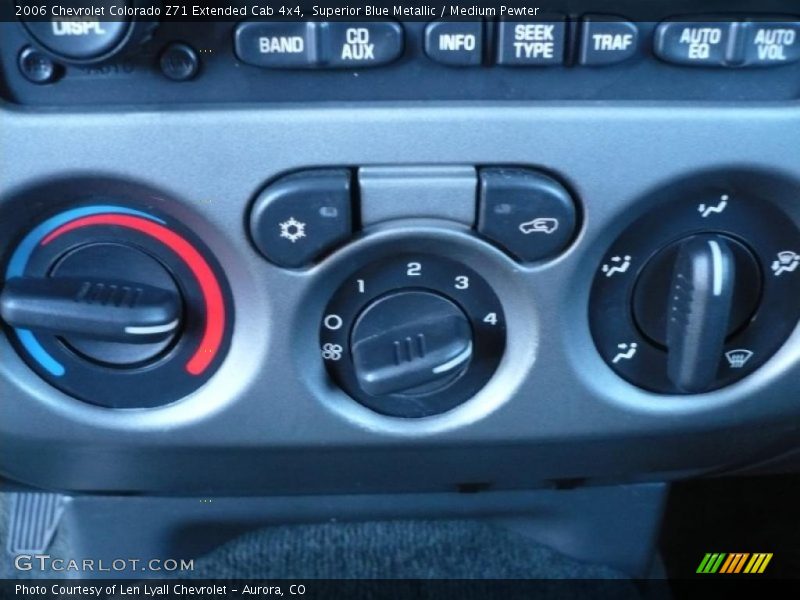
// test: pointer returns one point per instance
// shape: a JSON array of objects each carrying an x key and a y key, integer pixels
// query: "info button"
[
  {"x": 456, "y": 43},
  {"x": 277, "y": 45}
]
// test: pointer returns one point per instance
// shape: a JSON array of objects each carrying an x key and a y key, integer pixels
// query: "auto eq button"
[
  {"x": 277, "y": 44},
  {"x": 696, "y": 43},
  {"x": 301, "y": 216},
  {"x": 455, "y": 43},
  {"x": 531, "y": 43},
  {"x": 361, "y": 44},
  {"x": 528, "y": 213},
  {"x": 607, "y": 40}
]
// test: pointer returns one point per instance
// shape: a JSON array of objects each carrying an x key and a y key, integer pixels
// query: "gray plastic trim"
[
  {"x": 271, "y": 422},
  {"x": 443, "y": 192}
]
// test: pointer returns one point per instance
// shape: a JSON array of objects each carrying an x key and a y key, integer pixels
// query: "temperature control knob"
[
  {"x": 86, "y": 303},
  {"x": 117, "y": 306}
]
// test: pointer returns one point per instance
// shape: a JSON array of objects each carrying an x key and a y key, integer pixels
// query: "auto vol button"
[{"x": 768, "y": 44}]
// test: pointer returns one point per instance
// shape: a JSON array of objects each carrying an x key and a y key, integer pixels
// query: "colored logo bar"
[{"x": 734, "y": 562}]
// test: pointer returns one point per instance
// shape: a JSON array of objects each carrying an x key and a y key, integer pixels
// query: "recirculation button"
[{"x": 528, "y": 213}]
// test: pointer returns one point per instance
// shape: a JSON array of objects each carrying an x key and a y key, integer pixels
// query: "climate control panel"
[{"x": 123, "y": 306}]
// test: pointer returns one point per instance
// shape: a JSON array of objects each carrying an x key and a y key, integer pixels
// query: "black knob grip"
[
  {"x": 699, "y": 311},
  {"x": 112, "y": 311},
  {"x": 410, "y": 342}
]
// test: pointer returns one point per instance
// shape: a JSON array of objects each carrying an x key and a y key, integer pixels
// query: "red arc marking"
[{"x": 209, "y": 286}]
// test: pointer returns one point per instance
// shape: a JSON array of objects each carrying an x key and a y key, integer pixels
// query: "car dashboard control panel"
[
  {"x": 156, "y": 55},
  {"x": 349, "y": 253}
]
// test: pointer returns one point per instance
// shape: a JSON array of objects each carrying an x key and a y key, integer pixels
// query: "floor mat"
[{"x": 389, "y": 550}]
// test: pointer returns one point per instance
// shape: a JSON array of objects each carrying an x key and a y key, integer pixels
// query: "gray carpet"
[
  {"x": 392, "y": 550},
  {"x": 369, "y": 550}
]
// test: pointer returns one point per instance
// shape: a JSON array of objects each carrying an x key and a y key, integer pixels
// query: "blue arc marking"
[{"x": 21, "y": 256}]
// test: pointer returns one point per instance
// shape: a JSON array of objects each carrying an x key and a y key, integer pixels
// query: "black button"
[
  {"x": 179, "y": 62},
  {"x": 361, "y": 44},
  {"x": 531, "y": 43},
  {"x": 607, "y": 40},
  {"x": 277, "y": 45},
  {"x": 81, "y": 39},
  {"x": 528, "y": 213},
  {"x": 457, "y": 43},
  {"x": 768, "y": 44},
  {"x": 301, "y": 216},
  {"x": 36, "y": 67},
  {"x": 702, "y": 44}
]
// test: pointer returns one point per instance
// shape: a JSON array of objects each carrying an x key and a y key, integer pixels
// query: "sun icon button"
[{"x": 293, "y": 230}]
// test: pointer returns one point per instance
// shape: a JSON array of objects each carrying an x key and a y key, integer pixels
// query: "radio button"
[
  {"x": 361, "y": 43},
  {"x": 768, "y": 44},
  {"x": 607, "y": 40},
  {"x": 277, "y": 45},
  {"x": 455, "y": 43},
  {"x": 531, "y": 43},
  {"x": 700, "y": 44}
]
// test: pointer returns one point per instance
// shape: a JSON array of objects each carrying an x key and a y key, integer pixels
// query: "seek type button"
[
  {"x": 607, "y": 40},
  {"x": 531, "y": 43},
  {"x": 528, "y": 213},
  {"x": 361, "y": 44},
  {"x": 702, "y": 44},
  {"x": 769, "y": 44},
  {"x": 456, "y": 43},
  {"x": 277, "y": 44}
]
